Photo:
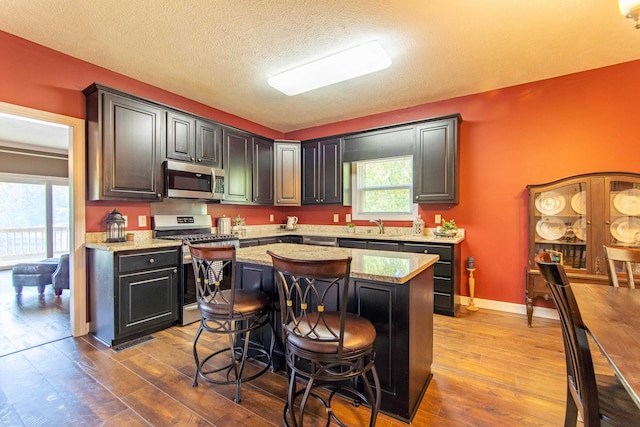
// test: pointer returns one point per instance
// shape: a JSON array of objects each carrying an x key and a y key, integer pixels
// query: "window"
[
  {"x": 383, "y": 188},
  {"x": 34, "y": 219}
]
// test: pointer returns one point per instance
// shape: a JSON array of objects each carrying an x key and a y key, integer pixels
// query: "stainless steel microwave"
[{"x": 189, "y": 181}]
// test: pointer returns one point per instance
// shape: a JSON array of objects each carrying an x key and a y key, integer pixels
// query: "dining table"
[{"x": 612, "y": 317}]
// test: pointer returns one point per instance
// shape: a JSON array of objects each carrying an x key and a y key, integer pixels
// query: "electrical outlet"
[
  {"x": 271, "y": 218},
  {"x": 125, "y": 220},
  {"x": 438, "y": 219},
  {"x": 347, "y": 217},
  {"x": 336, "y": 217},
  {"x": 142, "y": 220}
]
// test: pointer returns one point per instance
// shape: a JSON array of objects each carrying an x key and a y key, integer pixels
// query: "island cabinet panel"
[
  {"x": 132, "y": 293},
  {"x": 402, "y": 317},
  {"x": 436, "y": 161},
  {"x": 125, "y": 138}
]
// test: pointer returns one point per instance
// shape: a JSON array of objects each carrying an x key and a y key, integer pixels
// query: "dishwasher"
[{"x": 320, "y": 240}]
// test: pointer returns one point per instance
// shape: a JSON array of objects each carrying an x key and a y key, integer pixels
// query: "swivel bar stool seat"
[
  {"x": 228, "y": 311},
  {"x": 325, "y": 345}
]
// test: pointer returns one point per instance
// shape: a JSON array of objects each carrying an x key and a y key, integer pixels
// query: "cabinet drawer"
[
  {"x": 352, "y": 243},
  {"x": 383, "y": 246},
  {"x": 441, "y": 285},
  {"x": 441, "y": 300},
  {"x": 442, "y": 269},
  {"x": 445, "y": 252},
  {"x": 143, "y": 261}
]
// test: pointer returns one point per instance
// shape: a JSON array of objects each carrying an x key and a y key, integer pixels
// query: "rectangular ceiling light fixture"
[{"x": 357, "y": 61}]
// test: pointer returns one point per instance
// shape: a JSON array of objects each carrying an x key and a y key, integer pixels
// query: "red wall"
[{"x": 532, "y": 133}]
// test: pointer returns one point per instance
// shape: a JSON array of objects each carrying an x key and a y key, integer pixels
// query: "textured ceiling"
[{"x": 221, "y": 53}]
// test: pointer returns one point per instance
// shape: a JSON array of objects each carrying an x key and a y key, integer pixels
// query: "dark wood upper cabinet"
[
  {"x": 435, "y": 162},
  {"x": 125, "y": 136},
  {"x": 322, "y": 171},
  {"x": 181, "y": 137},
  {"x": 238, "y": 165},
  {"x": 208, "y": 143},
  {"x": 194, "y": 140},
  {"x": 263, "y": 162}
]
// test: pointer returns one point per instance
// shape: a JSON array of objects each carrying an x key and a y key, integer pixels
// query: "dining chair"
[
  {"x": 229, "y": 311},
  {"x": 628, "y": 257},
  {"x": 325, "y": 345},
  {"x": 595, "y": 398}
]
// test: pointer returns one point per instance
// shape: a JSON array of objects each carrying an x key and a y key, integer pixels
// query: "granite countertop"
[
  {"x": 365, "y": 233},
  {"x": 136, "y": 244},
  {"x": 383, "y": 266}
]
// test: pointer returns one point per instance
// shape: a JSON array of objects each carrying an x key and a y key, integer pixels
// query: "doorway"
[{"x": 76, "y": 172}]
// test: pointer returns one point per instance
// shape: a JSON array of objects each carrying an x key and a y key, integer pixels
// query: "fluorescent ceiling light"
[{"x": 345, "y": 65}]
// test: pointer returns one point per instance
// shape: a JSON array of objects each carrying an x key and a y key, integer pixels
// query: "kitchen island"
[{"x": 394, "y": 290}]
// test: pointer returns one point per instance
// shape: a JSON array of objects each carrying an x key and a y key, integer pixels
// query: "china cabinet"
[{"x": 572, "y": 218}]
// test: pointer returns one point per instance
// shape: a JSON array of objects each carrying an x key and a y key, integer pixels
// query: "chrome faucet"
[{"x": 380, "y": 225}]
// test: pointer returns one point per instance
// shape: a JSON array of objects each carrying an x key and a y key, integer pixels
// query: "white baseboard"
[{"x": 548, "y": 313}]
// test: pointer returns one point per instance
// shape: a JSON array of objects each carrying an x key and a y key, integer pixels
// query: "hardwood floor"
[
  {"x": 489, "y": 370},
  {"x": 31, "y": 320}
]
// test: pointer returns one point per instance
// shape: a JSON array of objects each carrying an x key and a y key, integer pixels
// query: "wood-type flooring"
[{"x": 489, "y": 369}]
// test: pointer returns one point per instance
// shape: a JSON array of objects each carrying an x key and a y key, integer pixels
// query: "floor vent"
[{"x": 132, "y": 343}]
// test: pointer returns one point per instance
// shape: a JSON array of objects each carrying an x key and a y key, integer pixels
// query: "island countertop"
[{"x": 384, "y": 266}]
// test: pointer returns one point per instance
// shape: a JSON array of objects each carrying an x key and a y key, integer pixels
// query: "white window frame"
[{"x": 356, "y": 198}]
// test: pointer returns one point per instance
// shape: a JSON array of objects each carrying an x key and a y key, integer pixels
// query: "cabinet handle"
[
  {"x": 192, "y": 159},
  {"x": 199, "y": 159},
  {"x": 175, "y": 270},
  {"x": 151, "y": 260},
  {"x": 158, "y": 195},
  {"x": 607, "y": 222},
  {"x": 426, "y": 251}
]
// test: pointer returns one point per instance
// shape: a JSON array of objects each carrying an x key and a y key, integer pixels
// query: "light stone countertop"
[
  {"x": 136, "y": 244},
  {"x": 399, "y": 234},
  {"x": 382, "y": 266}
]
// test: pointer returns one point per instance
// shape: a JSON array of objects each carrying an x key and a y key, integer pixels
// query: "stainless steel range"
[{"x": 195, "y": 229}]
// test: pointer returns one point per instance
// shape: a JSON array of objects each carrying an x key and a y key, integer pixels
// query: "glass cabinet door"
[
  {"x": 624, "y": 213},
  {"x": 560, "y": 223}
]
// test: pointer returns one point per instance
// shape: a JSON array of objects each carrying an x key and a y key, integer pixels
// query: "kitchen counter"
[
  {"x": 132, "y": 246},
  {"x": 383, "y": 266},
  {"x": 397, "y": 234}
]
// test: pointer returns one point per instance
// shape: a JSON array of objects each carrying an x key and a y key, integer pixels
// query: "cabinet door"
[
  {"x": 147, "y": 299},
  {"x": 287, "y": 174},
  {"x": 331, "y": 171},
  {"x": 132, "y": 154},
  {"x": 435, "y": 169},
  {"x": 181, "y": 137},
  {"x": 208, "y": 143},
  {"x": 237, "y": 164},
  {"x": 262, "y": 171},
  {"x": 310, "y": 173}
]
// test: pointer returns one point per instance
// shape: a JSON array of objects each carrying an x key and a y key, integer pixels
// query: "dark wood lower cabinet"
[
  {"x": 132, "y": 293},
  {"x": 402, "y": 316}
]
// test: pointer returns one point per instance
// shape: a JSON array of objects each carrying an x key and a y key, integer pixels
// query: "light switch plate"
[
  {"x": 348, "y": 217},
  {"x": 271, "y": 218},
  {"x": 336, "y": 217},
  {"x": 438, "y": 219},
  {"x": 142, "y": 220}
]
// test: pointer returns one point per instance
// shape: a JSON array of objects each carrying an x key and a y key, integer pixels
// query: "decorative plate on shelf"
[
  {"x": 626, "y": 230},
  {"x": 580, "y": 229},
  {"x": 627, "y": 202},
  {"x": 579, "y": 202},
  {"x": 550, "y": 228},
  {"x": 550, "y": 203}
]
